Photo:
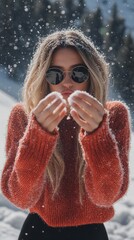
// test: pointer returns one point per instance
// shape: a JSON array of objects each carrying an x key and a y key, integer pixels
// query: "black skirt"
[{"x": 34, "y": 228}]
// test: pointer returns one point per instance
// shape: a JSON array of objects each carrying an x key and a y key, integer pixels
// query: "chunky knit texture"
[{"x": 106, "y": 151}]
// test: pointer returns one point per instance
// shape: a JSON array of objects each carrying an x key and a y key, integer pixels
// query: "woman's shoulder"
[
  {"x": 18, "y": 113},
  {"x": 119, "y": 111},
  {"x": 18, "y": 108},
  {"x": 117, "y": 107}
]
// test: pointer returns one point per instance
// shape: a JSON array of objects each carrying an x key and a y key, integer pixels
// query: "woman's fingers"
[
  {"x": 88, "y": 126},
  {"x": 47, "y": 101},
  {"x": 87, "y": 111},
  {"x": 91, "y": 100},
  {"x": 43, "y": 103},
  {"x": 55, "y": 122},
  {"x": 82, "y": 97},
  {"x": 52, "y": 121},
  {"x": 50, "y": 111}
]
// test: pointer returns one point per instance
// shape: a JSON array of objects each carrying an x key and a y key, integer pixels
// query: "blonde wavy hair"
[{"x": 35, "y": 88}]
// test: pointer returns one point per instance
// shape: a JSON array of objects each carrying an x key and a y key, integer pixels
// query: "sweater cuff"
[{"x": 100, "y": 141}]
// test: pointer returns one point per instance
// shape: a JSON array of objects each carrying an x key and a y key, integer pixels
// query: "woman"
[{"x": 67, "y": 146}]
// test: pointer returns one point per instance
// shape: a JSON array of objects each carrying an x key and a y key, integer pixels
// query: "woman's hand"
[
  {"x": 87, "y": 111},
  {"x": 50, "y": 111}
]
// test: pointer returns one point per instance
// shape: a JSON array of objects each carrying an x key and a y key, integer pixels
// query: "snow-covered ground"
[{"x": 121, "y": 227}]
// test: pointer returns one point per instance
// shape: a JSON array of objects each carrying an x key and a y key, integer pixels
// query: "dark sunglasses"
[{"x": 78, "y": 74}]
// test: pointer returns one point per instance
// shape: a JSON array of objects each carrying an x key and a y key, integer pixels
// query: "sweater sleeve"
[
  {"x": 28, "y": 150},
  {"x": 106, "y": 153}
]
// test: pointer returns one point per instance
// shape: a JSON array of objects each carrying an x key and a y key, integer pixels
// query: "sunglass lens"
[
  {"x": 54, "y": 76},
  {"x": 80, "y": 74}
]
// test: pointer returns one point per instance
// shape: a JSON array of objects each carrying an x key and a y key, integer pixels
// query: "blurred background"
[{"x": 110, "y": 24}]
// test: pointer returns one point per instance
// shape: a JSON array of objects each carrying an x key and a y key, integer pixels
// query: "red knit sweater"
[{"x": 29, "y": 148}]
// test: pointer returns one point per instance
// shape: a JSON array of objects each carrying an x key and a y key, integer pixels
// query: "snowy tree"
[
  {"x": 92, "y": 24},
  {"x": 70, "y": 9},
  {"x": 115, "y": 31},
  {"x": 80, "y": 8},
  {"x": 15, "y": 41},
  {"x": 124, "y": 71}
]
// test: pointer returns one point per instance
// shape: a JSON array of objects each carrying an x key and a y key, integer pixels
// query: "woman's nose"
[{"x": 67, "y": 81}]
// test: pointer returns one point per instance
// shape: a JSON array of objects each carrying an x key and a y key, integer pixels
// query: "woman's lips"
[{"x": 67, "y": 93}]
